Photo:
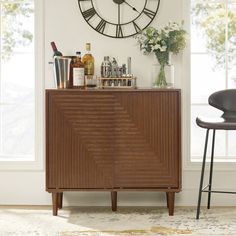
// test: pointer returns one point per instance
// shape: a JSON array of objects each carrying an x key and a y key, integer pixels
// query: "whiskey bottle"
[
  {"x": 78, "y": 72},
  {"x": 73, "y": 60},
  {"x": 88, "y": 61}
]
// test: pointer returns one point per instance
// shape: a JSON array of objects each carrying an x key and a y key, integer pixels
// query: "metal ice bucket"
[{"x": 62, "y": 71}]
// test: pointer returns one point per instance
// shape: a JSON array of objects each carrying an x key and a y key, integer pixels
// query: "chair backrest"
[{"x": 225, "y": 101}]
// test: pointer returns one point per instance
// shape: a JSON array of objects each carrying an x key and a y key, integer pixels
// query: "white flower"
[
  {"x": 141, "y": 38},
  {"x": 173, "y": 26},
  {"x": 163, "y": 48},
  {"x": 166, "y": 31},
  {"x": 156, "y": 47},
  {"x": 156, "y": 40}
]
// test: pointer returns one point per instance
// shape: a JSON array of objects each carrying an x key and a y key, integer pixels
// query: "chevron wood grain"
[
  {"x": 153, "y": 117},
  {"x": 113, "y": 140}
]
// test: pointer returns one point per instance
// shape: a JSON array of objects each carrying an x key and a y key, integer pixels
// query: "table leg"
[
  {"x": 114, "y": 201},
  {"x": 171, "y": 202},
  {"x": 167, "y": 201},
  {"x": 60, "y": 200},
  {"x": 54, "y": 203}
]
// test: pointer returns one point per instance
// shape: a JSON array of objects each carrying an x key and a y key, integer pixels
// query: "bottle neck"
[
  {"x": 88, "y": 49},
  {"x": 54, "y": 47},
  {"x": 78, "y": 54}
]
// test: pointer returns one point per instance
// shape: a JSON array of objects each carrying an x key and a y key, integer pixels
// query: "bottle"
[
  {"x": 124, "y": 71},
  {"x": 73, "y": 60},
  {"x": 120, "y": 71},
  {"x": 88, "y": 61},
  {"x": 129, "y": 66},
  {"x": 78, "y": 72},
  {"x": 114, "y": 68},
  {"x": 106, "y": 68},
  {"x": 55, "y": 51}
]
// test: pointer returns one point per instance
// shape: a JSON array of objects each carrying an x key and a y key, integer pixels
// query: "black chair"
[{"x": 225, "y": 101}]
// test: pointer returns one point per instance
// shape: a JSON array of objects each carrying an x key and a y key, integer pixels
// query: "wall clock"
[{"x": 119, "y": 18}]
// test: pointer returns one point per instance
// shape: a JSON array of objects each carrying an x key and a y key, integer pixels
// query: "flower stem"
[{"x": 161, "y": 79}]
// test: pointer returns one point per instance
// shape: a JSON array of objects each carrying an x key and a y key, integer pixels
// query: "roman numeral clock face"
[{"x": 119, "y": 18}]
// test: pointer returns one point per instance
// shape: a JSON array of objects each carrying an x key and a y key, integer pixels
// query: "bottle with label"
[
  {"x": 78, "y": 72},
  {"x": 88, "y": 61}
]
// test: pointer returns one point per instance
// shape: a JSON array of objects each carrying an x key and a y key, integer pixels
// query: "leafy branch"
[
  {"x": 218, "y": 26},
  {"x": 14, "y": 34}
]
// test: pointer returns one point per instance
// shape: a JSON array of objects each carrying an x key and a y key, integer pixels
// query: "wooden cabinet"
[{"x": 113, "y": 140}]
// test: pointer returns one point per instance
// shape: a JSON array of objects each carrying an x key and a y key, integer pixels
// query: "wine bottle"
[{"x": 55, "y": 51}]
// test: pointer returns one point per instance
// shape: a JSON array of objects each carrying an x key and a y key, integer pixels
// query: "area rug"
[{"x": 92, "y": 221}]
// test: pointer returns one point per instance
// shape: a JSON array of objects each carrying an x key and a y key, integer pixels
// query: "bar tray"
[{"x": 117, "y": 82}]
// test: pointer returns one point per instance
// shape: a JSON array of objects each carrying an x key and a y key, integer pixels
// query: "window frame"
[
  {"x": 38, "y": 162},
  {"x": 188, "y": 164}
]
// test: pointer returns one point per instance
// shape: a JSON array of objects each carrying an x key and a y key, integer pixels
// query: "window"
[
  {"x": 20, "y": 82},
  {"x": 213, "y": 67}
]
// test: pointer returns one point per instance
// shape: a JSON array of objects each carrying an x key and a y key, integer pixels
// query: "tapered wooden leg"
[
  {"x": 167, "y": 201},
  {"x": 114, "y": 201},
  {"x": 171, "y": 203},
  {"x": 60, "y": 200},
  {"x": 54, "y": 203}
]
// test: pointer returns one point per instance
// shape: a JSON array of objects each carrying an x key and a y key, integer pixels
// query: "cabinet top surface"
[{"x": 114, "y": 90}]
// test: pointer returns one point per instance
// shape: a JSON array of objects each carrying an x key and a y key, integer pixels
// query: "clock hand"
[
  {"x": 118, "y": 13},
  {"x": 131, "y": 6}
]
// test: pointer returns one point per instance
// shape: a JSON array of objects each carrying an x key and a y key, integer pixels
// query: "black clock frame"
[{"x": 88, "y": 14}]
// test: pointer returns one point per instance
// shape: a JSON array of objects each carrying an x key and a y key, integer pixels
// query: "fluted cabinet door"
[
  {"x": 147, "y": 140},
  {"x": 79, "y": 140},
  {"x": 113, "y": 139}
]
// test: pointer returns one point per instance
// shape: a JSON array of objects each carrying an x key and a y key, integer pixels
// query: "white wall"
[{"x": 65, "y": 25}]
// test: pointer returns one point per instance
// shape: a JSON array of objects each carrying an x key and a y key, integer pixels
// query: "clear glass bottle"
[
  {"x": 88, "y": 61},
  {"x": 78, "y": 72}
]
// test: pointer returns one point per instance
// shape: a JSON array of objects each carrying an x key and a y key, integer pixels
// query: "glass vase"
[{"x": 163, "y": 76}]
